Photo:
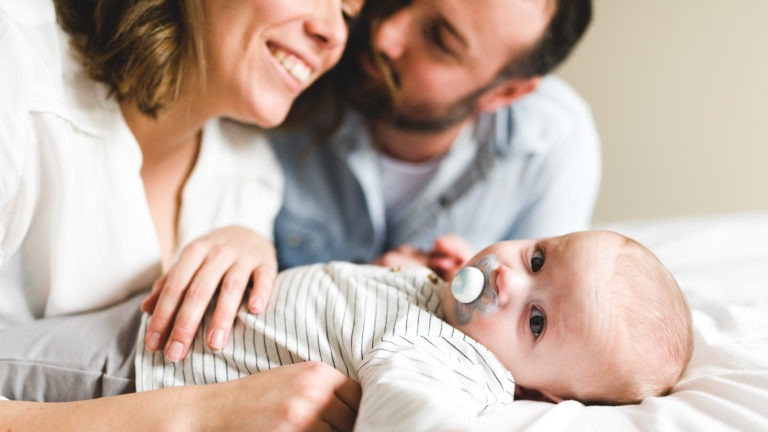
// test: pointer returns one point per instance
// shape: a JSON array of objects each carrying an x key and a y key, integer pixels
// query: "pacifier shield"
[
  {"x": 468, "y": 284},
  {"x": 472, "y": 289}
]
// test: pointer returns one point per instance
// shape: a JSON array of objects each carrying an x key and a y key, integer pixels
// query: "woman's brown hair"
[{"x": 139, "y": 48}]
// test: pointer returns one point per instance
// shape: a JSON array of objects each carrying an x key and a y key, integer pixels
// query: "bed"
[{"x": 721, "y": 263}]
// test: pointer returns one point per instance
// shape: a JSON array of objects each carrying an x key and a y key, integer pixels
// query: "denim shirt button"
[{"x": 294, "y": 239}]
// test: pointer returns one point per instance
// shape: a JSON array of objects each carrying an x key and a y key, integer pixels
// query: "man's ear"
[{"x": 507, "y": 93}]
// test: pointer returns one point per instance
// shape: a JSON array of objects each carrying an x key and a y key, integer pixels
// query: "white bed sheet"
[{"x": 721, "y": 263}]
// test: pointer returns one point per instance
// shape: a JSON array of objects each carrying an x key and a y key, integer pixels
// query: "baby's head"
[{"x": 592, "y": 316}]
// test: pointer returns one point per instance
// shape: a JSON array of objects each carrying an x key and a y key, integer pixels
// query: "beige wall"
[{"x": 679, "y": 89}]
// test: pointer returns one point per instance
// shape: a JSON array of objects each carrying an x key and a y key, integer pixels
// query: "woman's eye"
[
  {"x": 537, "y": 260},
  {"x": 536, "y": 321}
]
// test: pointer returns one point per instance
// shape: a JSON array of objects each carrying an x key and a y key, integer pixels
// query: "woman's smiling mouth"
[{"x": 292, "y": 64}]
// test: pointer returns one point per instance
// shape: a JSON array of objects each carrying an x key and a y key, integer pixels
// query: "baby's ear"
[{"x": 522, "y": 393}]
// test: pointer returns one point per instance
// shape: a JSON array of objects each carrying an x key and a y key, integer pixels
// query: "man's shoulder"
[
  {"x": 554, "y": 99},
  {"x": 552, "y": 114}
]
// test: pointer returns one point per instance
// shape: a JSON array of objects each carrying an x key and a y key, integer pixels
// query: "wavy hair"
[{"x": 138, "y": 48}]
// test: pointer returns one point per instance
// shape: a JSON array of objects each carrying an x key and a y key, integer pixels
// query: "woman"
[{"x": 113, "y": 154}]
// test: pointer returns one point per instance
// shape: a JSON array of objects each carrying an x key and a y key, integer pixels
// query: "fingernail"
[
  {"x": 217, "y": 339},
  {"x": 257, "y": 305},
  {"x": 153, "y": 343},
  {"x": 174, "y": 351}
]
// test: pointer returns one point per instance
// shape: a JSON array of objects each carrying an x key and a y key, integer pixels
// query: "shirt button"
[{"x": 294, "y": 240}]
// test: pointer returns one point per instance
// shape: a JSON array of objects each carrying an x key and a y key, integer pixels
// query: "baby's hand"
[
  {"x": 403, "y": 256},
  {"x": 225, "y": 259},
  {"x": 449, "y": 255}
]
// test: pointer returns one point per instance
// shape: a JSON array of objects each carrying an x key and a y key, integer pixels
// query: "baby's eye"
[
  {"x": 537, "y": 321},
  {"x": 537, "y": 260}
]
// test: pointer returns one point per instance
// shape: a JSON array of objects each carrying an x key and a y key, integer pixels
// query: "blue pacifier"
[{"x": 471, "y": 287}]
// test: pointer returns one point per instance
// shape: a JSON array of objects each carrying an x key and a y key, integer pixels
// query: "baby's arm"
[
  {"x": 448, "y": 256},
  {"x": 429, "y": 383},
  {"x": 449, "y": 253}
]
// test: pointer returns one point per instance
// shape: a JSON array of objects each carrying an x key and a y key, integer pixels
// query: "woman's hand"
[
  {"x": 300, "y": 397},
  {"x": 303, "y": 396},
  {"x": 224, "y": 260}
]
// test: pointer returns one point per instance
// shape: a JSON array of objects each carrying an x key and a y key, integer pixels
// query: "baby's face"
[{"x": 551, "y": 324}]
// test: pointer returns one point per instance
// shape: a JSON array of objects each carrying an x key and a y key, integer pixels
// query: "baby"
[{"x": 591, "y": 316}]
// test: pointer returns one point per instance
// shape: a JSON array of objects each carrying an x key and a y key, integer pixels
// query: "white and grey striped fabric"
[{"x": 380, "y": 326}]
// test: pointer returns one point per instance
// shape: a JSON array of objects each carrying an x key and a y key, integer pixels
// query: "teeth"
[{"x": 293, "y": 65}]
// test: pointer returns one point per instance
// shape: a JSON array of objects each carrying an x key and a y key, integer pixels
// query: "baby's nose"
[{"x": 511, "y": 284}]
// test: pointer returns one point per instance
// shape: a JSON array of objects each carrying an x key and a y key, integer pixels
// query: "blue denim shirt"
[{"x": 526, "y": 171}]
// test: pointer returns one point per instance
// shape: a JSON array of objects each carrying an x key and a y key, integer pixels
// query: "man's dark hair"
[{"x": 565, "y": 29}]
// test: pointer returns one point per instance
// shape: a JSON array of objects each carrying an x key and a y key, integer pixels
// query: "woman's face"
[{"x": 262, "y": 53}]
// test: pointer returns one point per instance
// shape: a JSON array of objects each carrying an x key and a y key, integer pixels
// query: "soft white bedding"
[{"x": 721, "y": 262}]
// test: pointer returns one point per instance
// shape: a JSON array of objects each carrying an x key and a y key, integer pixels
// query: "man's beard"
[{"x": 378, "y": 103}]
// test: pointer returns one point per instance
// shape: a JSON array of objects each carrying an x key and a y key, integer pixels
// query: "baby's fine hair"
[{"x": 653, "y": 328}]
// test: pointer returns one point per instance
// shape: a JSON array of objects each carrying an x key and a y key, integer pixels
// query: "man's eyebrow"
[{"x": 452, "y": 30}]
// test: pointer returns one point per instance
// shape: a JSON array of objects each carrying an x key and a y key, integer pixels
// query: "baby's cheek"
[{"x": 447, "y": 306}]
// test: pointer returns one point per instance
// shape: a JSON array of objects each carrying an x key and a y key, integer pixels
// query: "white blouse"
[{"x": 75, "y": 229}]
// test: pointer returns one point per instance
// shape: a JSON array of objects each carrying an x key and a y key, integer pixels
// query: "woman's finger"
[
  {"x": 196, "y": 300},
  {"x": 263, "y": 281},
  {"x": 171, "y": 294},
  {"x": 230, "y": 297},
  {"x": 341, "y": 410},
  {"x": 148, "y": 305}
]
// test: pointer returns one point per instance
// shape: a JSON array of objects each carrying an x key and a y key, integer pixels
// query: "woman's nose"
[
  {"x": 328, "y": 27},
  {"x": 392, "y": 34}
]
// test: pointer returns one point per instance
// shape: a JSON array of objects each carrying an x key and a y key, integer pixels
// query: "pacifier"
[{"x": 471, "y": 287}]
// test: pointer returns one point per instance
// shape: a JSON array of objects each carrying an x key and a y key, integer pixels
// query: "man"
[{"x": 451, "y": 127}]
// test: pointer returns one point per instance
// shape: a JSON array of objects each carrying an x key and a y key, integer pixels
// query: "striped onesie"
[{"x": 382, "y": 327}]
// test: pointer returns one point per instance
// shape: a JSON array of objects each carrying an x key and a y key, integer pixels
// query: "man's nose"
[{"x": 392, "y": 34}]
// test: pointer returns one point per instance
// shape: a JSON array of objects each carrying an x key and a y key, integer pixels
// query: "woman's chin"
[{"x": 265, "y": 117}]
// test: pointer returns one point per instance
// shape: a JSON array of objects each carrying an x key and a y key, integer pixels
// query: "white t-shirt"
[
  {"x": 404, "y": 181},
  {"x": 382, "y": 327},
  {"x": 76, "y": 232}
]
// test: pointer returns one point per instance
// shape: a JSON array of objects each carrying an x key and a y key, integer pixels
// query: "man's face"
[
  {"x": 442, "y": 55},
  {"x": 552, "y": 321}
]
